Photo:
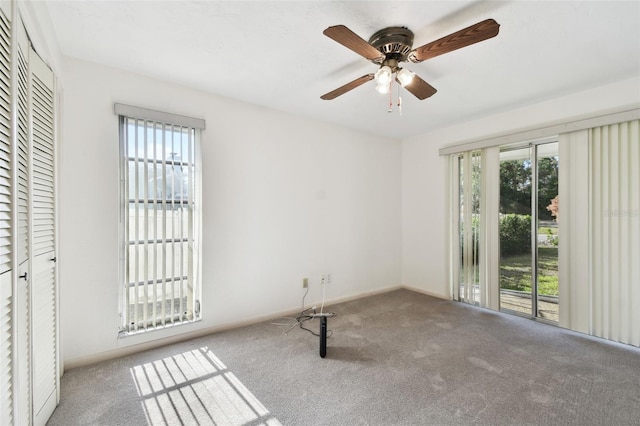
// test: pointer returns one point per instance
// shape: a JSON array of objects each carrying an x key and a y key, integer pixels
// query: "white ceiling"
[{"x": 273, "y": 53}]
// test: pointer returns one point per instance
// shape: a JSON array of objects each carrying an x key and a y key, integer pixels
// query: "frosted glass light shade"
[
  {"x": 405, "y": 76},
  {"x": 383, "y": 76},
  {"x": 383, "y": 88}
]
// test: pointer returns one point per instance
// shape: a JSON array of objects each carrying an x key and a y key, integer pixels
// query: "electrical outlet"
[
  {"x": 323, "y": 279},
  {"x": 329, "y": 278},
  {"x": 305, "y": 282}
]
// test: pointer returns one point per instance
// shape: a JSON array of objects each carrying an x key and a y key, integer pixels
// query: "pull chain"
[{"x": 399, "y": 102}]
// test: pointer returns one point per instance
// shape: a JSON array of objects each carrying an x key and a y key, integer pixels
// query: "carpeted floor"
[{"x": 398, "y": 358}]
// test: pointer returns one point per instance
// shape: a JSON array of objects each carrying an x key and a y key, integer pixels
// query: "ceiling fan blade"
[
  {"x": 465, "y": 37},
  {"x": 353, "y": 41},
  {"x": 419, "y": 88},
  {"x": 349, "y": 86}
]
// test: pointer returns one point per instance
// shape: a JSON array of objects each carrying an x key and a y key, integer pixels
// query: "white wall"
[
  {"x": 424, "y": 218},
  {"x": 424, "y": 196},
  {"x": 284, "y": 198}
]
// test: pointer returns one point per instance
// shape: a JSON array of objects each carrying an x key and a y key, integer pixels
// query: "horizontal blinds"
[{"x": 615, "y": 231}]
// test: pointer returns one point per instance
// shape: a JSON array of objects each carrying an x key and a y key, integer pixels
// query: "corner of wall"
[{"x": 37, "y": 21}]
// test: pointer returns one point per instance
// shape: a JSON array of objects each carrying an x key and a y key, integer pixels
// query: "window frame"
[{"x": 153, "y": 317}]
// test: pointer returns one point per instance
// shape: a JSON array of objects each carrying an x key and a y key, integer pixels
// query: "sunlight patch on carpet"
[{"x": 195, "y": 387}]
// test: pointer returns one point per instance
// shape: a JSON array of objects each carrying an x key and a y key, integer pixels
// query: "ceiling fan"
[{"x": 393, "y": 45}]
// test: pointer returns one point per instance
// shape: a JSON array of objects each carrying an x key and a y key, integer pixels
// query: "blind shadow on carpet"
[{"x": 195, "y": 387}]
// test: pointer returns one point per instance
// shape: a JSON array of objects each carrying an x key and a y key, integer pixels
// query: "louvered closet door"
[
  {"x": 29, "y": 379},
  {"x": 43, "y": 241},
  {"x": 22, "y": 303},
  {"x": 6, "y": 286}
]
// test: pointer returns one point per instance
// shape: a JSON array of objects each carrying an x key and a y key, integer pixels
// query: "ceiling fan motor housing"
[{"x": 394, "y": 42}]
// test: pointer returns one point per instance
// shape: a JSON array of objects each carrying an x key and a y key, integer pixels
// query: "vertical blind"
[
  {"x": 615, "y": 231},
  {"x": 474, "y": 211},
  {"x": 159, "y": 222},
  {"x": 469, "y": 171}
]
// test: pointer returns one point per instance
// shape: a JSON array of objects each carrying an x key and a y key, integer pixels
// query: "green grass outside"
[
  {"x": 515, "y": 271},
  {"x": 547, "y": 230}
]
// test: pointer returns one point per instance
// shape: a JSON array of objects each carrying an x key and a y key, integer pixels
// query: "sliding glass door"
[
  {"x": 516, "y": 257},
  {"x": 547, "y": 281},
  {"x": 529, "y": 230}
]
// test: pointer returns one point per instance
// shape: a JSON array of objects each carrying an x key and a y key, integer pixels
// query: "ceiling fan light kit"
[{"x": 390, "y": 46}]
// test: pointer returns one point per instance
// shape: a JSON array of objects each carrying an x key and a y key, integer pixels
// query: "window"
[{"x": 159, "y": 220}]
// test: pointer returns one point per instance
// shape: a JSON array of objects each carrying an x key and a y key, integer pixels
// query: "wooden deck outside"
[{"x": 547, "y": 306}]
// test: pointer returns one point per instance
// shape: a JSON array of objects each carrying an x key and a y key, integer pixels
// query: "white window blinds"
[
  {"x": 614, "y": 181},
  {"x": 159, "y": 220}
]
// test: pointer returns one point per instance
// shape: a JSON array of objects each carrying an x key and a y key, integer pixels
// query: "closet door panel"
[
  {"x": 22, "y": 303},
  {"x": 45, "y": 375},
  {"x": 6, "y": 243}
]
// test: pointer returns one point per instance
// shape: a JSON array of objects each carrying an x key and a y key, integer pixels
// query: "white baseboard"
[
  {"x": 129, "y": 349},
  {"x": 428, "y": 293}
]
